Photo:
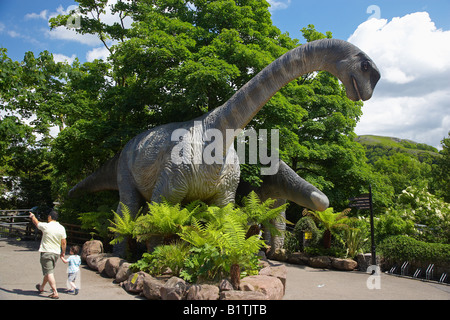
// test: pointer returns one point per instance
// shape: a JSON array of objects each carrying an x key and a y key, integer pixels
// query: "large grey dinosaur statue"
[{"x": 146, "y": 171}]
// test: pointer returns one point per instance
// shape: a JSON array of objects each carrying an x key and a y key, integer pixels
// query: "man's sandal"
[
  {"x": 53, "y": 296},
  {"x": 38, "y": 287}
]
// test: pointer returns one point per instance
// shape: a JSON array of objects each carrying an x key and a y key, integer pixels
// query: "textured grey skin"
[
  {"x": 145, "y": 170},
  {"x": 287, "y": 185}
]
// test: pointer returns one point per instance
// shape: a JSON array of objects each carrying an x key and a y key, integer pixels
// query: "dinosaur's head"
[{"x": 357, "y": 72}]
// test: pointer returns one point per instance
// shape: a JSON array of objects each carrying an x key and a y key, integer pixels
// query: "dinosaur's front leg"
[{"x": 134, "y": 201}]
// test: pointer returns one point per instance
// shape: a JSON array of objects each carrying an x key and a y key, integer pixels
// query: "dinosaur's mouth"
[{"x": 355, "y": 85}]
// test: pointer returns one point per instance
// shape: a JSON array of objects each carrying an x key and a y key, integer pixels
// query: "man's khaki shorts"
[{"x": 48, "y": 262}]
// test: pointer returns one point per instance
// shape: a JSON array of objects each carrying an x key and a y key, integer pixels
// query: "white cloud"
[
  {"x": 278, "y": 5},
  {"x": 40, "y": 15},
  {"x": 18, "y": 35},
  {"x": 97, "y": 53},
  {"x": 412, "y": 99},
  {"x": 62, "y": 33},
  {"x": 63, "y": 58},
  {"x": 13, "y": 34}
]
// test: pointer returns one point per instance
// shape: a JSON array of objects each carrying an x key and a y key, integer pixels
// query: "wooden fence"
[{"x": 17, "y": 222}]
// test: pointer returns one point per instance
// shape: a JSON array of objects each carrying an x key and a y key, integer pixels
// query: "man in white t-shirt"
[{"x": 53, "y": 246}]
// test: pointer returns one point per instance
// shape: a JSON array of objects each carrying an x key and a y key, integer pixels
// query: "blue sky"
[
  {"x": 342, "y": 17},
  {"x": 409, "y": 40}
]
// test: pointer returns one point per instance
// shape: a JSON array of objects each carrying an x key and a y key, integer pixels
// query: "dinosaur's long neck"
[{"x": 240, "y": 109}]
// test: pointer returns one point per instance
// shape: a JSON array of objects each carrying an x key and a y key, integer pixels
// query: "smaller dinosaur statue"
[{"x": 286, "y": 184}]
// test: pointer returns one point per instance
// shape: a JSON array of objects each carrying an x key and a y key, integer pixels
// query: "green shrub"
[
  {"x": 171, "y": 256},
  {"x": 307, "y": 224},
  {"x": 397, "y": 249},
  {"x": 392, "y": 223},
  {"x": 354, "y": 241},
  {"x": 98, "y": 221},
  {"x": 203, "y": 263},
  {"x": 320, "y": 251},
  {"x": 291, "y": 242}
]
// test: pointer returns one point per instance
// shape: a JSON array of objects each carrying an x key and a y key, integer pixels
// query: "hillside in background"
[{"x": 379, "y": 146}]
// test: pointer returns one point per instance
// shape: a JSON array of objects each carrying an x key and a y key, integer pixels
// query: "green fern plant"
[
  {"x": 218, "y": 215},
  {"x": 228, "y": 236},
  {"x": 164, "y": 220},
  {"x": 262, "y": 213},
  {"x": 123, "y": 227},
  {"x": 239, "y": 248},
  {"x": 330, "y": 221},
  {"x": 200, "y": 233}
]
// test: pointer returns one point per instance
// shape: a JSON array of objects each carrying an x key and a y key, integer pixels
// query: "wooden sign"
[{"x": 360, "y": 202}]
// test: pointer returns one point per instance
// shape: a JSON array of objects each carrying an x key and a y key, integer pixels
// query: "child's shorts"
[{"x": 71, "y": 277}]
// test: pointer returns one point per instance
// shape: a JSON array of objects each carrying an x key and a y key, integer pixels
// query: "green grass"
[{"x": 402, "y": 145}]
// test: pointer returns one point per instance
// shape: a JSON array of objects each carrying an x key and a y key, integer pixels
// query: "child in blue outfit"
[{"x": 73, "y": 269}]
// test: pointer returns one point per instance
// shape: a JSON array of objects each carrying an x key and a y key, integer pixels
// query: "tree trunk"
[
  {"x": 253, "y": 230},
  {"x": 327, "y": 239},
  {"x": 235, "y": 273},
  {"x": 131, "y": 249}
]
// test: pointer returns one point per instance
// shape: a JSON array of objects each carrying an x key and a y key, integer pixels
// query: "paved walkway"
[
  {"x": 20, "y": 271},
  {"x": 304, "y": 283}
]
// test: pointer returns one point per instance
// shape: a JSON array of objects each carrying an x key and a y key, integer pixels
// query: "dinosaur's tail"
[{"x": 104, "y": 178}]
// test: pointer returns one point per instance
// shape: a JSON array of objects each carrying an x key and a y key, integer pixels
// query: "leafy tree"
[
  {"x": 428, "y": 212},
  {"x": 403, "y": 171},
  {"x": 441, "y": 172},
  {"x": 26, "y": 90}
]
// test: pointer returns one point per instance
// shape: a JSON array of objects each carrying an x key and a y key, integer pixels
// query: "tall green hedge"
[{"x": 397, "y": 249}]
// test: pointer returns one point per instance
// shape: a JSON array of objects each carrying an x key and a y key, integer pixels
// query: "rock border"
[
  {"x": 323, "y": 262},
  {"x": 269, "y": 284}
]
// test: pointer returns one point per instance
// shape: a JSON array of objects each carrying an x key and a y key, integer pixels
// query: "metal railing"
[{"x": 419, "y": 274}]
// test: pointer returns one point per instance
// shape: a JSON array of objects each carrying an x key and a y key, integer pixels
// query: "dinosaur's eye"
[{"x": 365, "y": 65}]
